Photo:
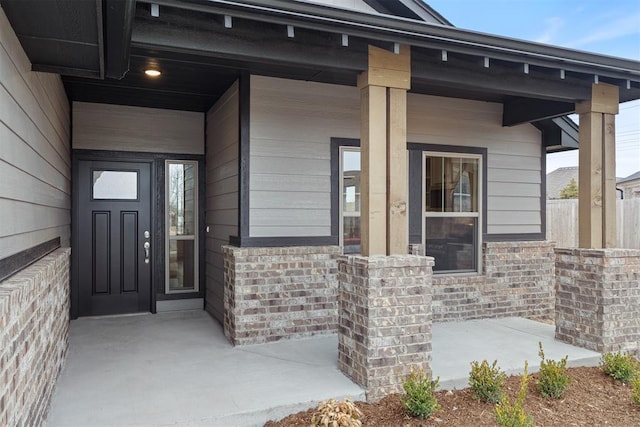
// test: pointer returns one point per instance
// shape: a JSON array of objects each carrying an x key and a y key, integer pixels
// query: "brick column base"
[
  {"x": 598, "y": 298},
  {"x": 385, "y": 320}
]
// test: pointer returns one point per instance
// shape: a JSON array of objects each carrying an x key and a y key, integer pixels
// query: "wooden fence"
[{"x": 562, "y": 223}]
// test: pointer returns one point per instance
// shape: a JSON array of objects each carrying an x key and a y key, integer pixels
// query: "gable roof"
[
  {"x": 412, "y": 9},
  {"x": 409, "y": 9}
]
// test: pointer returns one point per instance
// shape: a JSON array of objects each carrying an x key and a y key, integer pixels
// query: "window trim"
[
  {"x": 195, "y": 237},
  {"x": 478, "y": 214}
]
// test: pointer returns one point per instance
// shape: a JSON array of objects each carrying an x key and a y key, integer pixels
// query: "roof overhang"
[
  {"x": 558, "y": 134},
  {"x": 84, "y": 38},
  {"x": 199, "y": 39}
]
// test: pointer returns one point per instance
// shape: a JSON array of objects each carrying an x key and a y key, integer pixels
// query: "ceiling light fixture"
[{"x": 152, "y": 73}]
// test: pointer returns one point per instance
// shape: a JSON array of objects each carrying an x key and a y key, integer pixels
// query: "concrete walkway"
[
  {"x": 177, "y": 369},
  {"x": 510, "y": 341}
]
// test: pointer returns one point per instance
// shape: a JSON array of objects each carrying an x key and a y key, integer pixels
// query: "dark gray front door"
[{"x": 114, "y": 226}]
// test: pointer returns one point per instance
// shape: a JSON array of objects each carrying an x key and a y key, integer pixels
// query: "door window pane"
[
  {"x": 181, "y": 265},
  {"x": 181, "y": 199},
  {"x": 118, "y": 185}
]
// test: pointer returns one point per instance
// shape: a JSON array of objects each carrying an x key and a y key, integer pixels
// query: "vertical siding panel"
[
  {"x": 222, "y": 143},
  {"x": 34, "y": 151}
]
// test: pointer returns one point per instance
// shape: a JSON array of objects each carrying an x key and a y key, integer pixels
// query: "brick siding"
[
  {"x": 598, "y": 298},
  {"x": 385, "y": 320},
  {"x": 34, "y": 335},
  {"x": 517, "y": 280},
  {"x": 276, "y": 293}
]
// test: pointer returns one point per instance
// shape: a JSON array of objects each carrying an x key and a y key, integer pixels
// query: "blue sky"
[{"x": 606, "y": 27}]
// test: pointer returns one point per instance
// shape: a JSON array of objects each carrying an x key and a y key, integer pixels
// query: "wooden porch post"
[
  {"x": 597, "y": 168},
  {"x": 384, "y": 192}
]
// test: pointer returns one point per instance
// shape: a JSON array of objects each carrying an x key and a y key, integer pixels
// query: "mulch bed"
[{"x": 593, "y": 399}]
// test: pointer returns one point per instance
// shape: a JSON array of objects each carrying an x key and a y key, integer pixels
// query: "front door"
[{"x": 113, "y": 241}]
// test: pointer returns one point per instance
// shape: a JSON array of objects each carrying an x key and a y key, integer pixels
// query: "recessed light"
[{"x": 152, "y": 73}]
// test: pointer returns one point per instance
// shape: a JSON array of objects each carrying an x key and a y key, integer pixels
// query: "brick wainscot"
[
  {"x": 34, "y": 335},
  {"x": 276, "y": 293}
]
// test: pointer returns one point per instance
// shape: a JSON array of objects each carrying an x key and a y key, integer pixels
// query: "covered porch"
[{"x": 178, "y": 369}]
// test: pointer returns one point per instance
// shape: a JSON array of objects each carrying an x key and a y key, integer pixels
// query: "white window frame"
[
  {"x": 343, "y": 149},
  {"x": 194, "y": 237},
  {"x": 478, "y": 214}
]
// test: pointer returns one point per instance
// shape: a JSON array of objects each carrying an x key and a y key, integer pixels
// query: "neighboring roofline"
[
  {"x": 416, "y": 33},
  {"x": 633, "y": 177}
]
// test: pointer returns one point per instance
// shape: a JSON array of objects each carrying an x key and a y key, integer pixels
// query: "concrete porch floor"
[{"x": 178, "y": 369}]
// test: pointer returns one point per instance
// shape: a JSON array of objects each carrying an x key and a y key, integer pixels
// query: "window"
[
  {"x": 452, "y": 210},
  {"x": 115, "y": 185},
  {"x": 350, "y": 199},
  {"x": 181, "y": 219}
]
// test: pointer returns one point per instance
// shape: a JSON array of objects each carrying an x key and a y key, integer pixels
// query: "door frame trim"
[{"x": 157, "y": 217}]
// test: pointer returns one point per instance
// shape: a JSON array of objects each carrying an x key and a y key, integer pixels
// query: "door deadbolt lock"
[{"x": 146, "y": 234}]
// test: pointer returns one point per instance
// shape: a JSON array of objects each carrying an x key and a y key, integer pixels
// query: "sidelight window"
[
  {"x": 181, "y": 218},
  {"x": 350, "y": 199}
]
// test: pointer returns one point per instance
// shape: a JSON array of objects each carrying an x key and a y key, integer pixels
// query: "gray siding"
[
  {"x": 124, "y": 128},
  {"x": 292, "y": 123},
  {"x": 35, "y": 163},
  {"x": 222, "y": 191}
]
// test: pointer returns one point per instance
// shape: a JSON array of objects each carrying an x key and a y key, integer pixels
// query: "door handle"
[{"x": 147, "y": 250}]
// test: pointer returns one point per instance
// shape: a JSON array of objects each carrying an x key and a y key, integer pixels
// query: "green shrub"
[
  {"x": 334, "y": 413},
  {"x": 553, "y": 379},
  {"x": 621, "y": 366},
  {"x": 486, "y": 381},
  {"x": 635, "y": 388},
  {"x": 512, "y": 414},
  {"x": 419, "y": 399}
]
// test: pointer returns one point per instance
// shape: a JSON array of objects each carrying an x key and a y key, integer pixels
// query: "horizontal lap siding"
[
  {"x": 125, "y": 128},
  {"x": 292, "y": 123},
  {"x": 35, "y": 162},
  {"x": 222, "y": 191},
  {"x": 513, "y": 155}
]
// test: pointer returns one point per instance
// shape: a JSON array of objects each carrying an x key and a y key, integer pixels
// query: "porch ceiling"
[{"x": 200, "y": 53}]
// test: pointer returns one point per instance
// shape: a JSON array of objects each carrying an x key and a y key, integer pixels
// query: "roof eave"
[{"x": 416, "y": 33}]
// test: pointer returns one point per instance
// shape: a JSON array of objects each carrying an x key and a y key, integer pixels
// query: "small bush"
[
  {"x": 337, "y": 414},
  {"x": 419, "y": 399},
  {"x": 635, "y": 388},
  {"x": 553, "y": 379},
  {"x": 512, "y": 414},
  {"x": 486, "y": 381},
  {"x": 621, "y": 366}
]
